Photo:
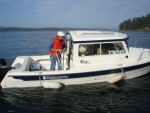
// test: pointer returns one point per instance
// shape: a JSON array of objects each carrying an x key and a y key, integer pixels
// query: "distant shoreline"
[
  {"x": 16, "y": 29},
  {"x": 137, "y": 30}
]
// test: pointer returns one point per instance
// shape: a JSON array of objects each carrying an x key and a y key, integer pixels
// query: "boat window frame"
[
  {"x": 117, "y": 49},
  {"x": 92, "y": 51},
  {"x": 127, "y": 45}
]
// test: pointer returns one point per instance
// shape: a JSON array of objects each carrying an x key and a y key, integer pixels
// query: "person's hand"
[
  {"x": 64, "y": 49},
  {"x": 58, "y": 50}
]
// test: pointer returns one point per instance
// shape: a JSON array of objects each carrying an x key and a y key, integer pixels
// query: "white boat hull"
[{"x": 34, "y": 79}]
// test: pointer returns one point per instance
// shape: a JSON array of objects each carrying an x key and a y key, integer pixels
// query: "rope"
[
  {"x": 59, "y": 63},
  {"x": 42, "y": 72},
  {"x": 124, "y": 75}
]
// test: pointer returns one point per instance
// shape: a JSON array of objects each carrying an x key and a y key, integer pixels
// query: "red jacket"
[{"x": 58, "y": 44}]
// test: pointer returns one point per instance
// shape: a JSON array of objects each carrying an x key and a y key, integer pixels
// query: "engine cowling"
[{"x": 3, "y": 68}]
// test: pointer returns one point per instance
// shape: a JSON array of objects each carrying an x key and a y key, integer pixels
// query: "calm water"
[{"x": 131, "y": 96}]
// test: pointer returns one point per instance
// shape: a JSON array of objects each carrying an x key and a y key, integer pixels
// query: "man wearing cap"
[{"x": 56, "y": 46}]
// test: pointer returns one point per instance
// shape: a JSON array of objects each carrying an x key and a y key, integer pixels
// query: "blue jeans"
[{"x": 53, "y": 60}]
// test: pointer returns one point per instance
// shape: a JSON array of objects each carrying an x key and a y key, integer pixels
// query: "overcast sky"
[{"x": 70, "y": 13}]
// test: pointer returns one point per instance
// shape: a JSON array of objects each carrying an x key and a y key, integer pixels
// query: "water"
[
  {"x": 131, "y": 96},
  {"x": 13, "y": 44}
]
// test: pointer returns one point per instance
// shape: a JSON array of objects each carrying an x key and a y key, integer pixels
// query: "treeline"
[{"x": 138, "y": 23}]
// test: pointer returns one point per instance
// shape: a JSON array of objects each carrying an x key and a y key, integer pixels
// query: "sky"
[{"x": 70, "y": 13}]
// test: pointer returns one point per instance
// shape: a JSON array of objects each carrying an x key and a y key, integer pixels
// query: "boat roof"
[{"x": 97, "y": 36}]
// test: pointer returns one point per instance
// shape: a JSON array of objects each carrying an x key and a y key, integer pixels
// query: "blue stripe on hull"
[{"x": 79, "y": 75}]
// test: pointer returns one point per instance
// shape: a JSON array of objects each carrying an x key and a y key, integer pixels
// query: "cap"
[{"x": 60, "y": 33}]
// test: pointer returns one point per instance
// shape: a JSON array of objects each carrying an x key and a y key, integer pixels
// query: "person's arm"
[
  {"x": 50, "y": 45},
  {"x": 65, "y": 48}
]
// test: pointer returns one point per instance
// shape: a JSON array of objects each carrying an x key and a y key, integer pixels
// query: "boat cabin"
[{"x": 91, "y": 48}]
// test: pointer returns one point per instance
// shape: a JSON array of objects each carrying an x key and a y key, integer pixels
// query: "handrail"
[
  {"x": 142, "y": 54},
  {"x": 42, "y": 60},
  {"x": 143, "y": 48},
  {"x": 140, "y": 39}
]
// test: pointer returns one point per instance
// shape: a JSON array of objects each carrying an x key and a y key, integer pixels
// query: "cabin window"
[
  {"x": 89, "y": 49},
  {"x": 112, "y": 48}
]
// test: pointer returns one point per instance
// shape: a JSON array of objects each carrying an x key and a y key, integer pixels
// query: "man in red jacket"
[{"x": 56, "y": 46}]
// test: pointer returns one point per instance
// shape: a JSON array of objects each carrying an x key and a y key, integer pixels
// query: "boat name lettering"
[
  {"x": 54, "y": 77},
  {"x": 84, "y": 62}
]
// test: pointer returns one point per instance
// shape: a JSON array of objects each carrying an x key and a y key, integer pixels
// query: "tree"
[{"x": 137, "y": 23}]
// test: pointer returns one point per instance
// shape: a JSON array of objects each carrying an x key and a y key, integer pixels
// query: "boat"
[{"x": 91, "y": 57}]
